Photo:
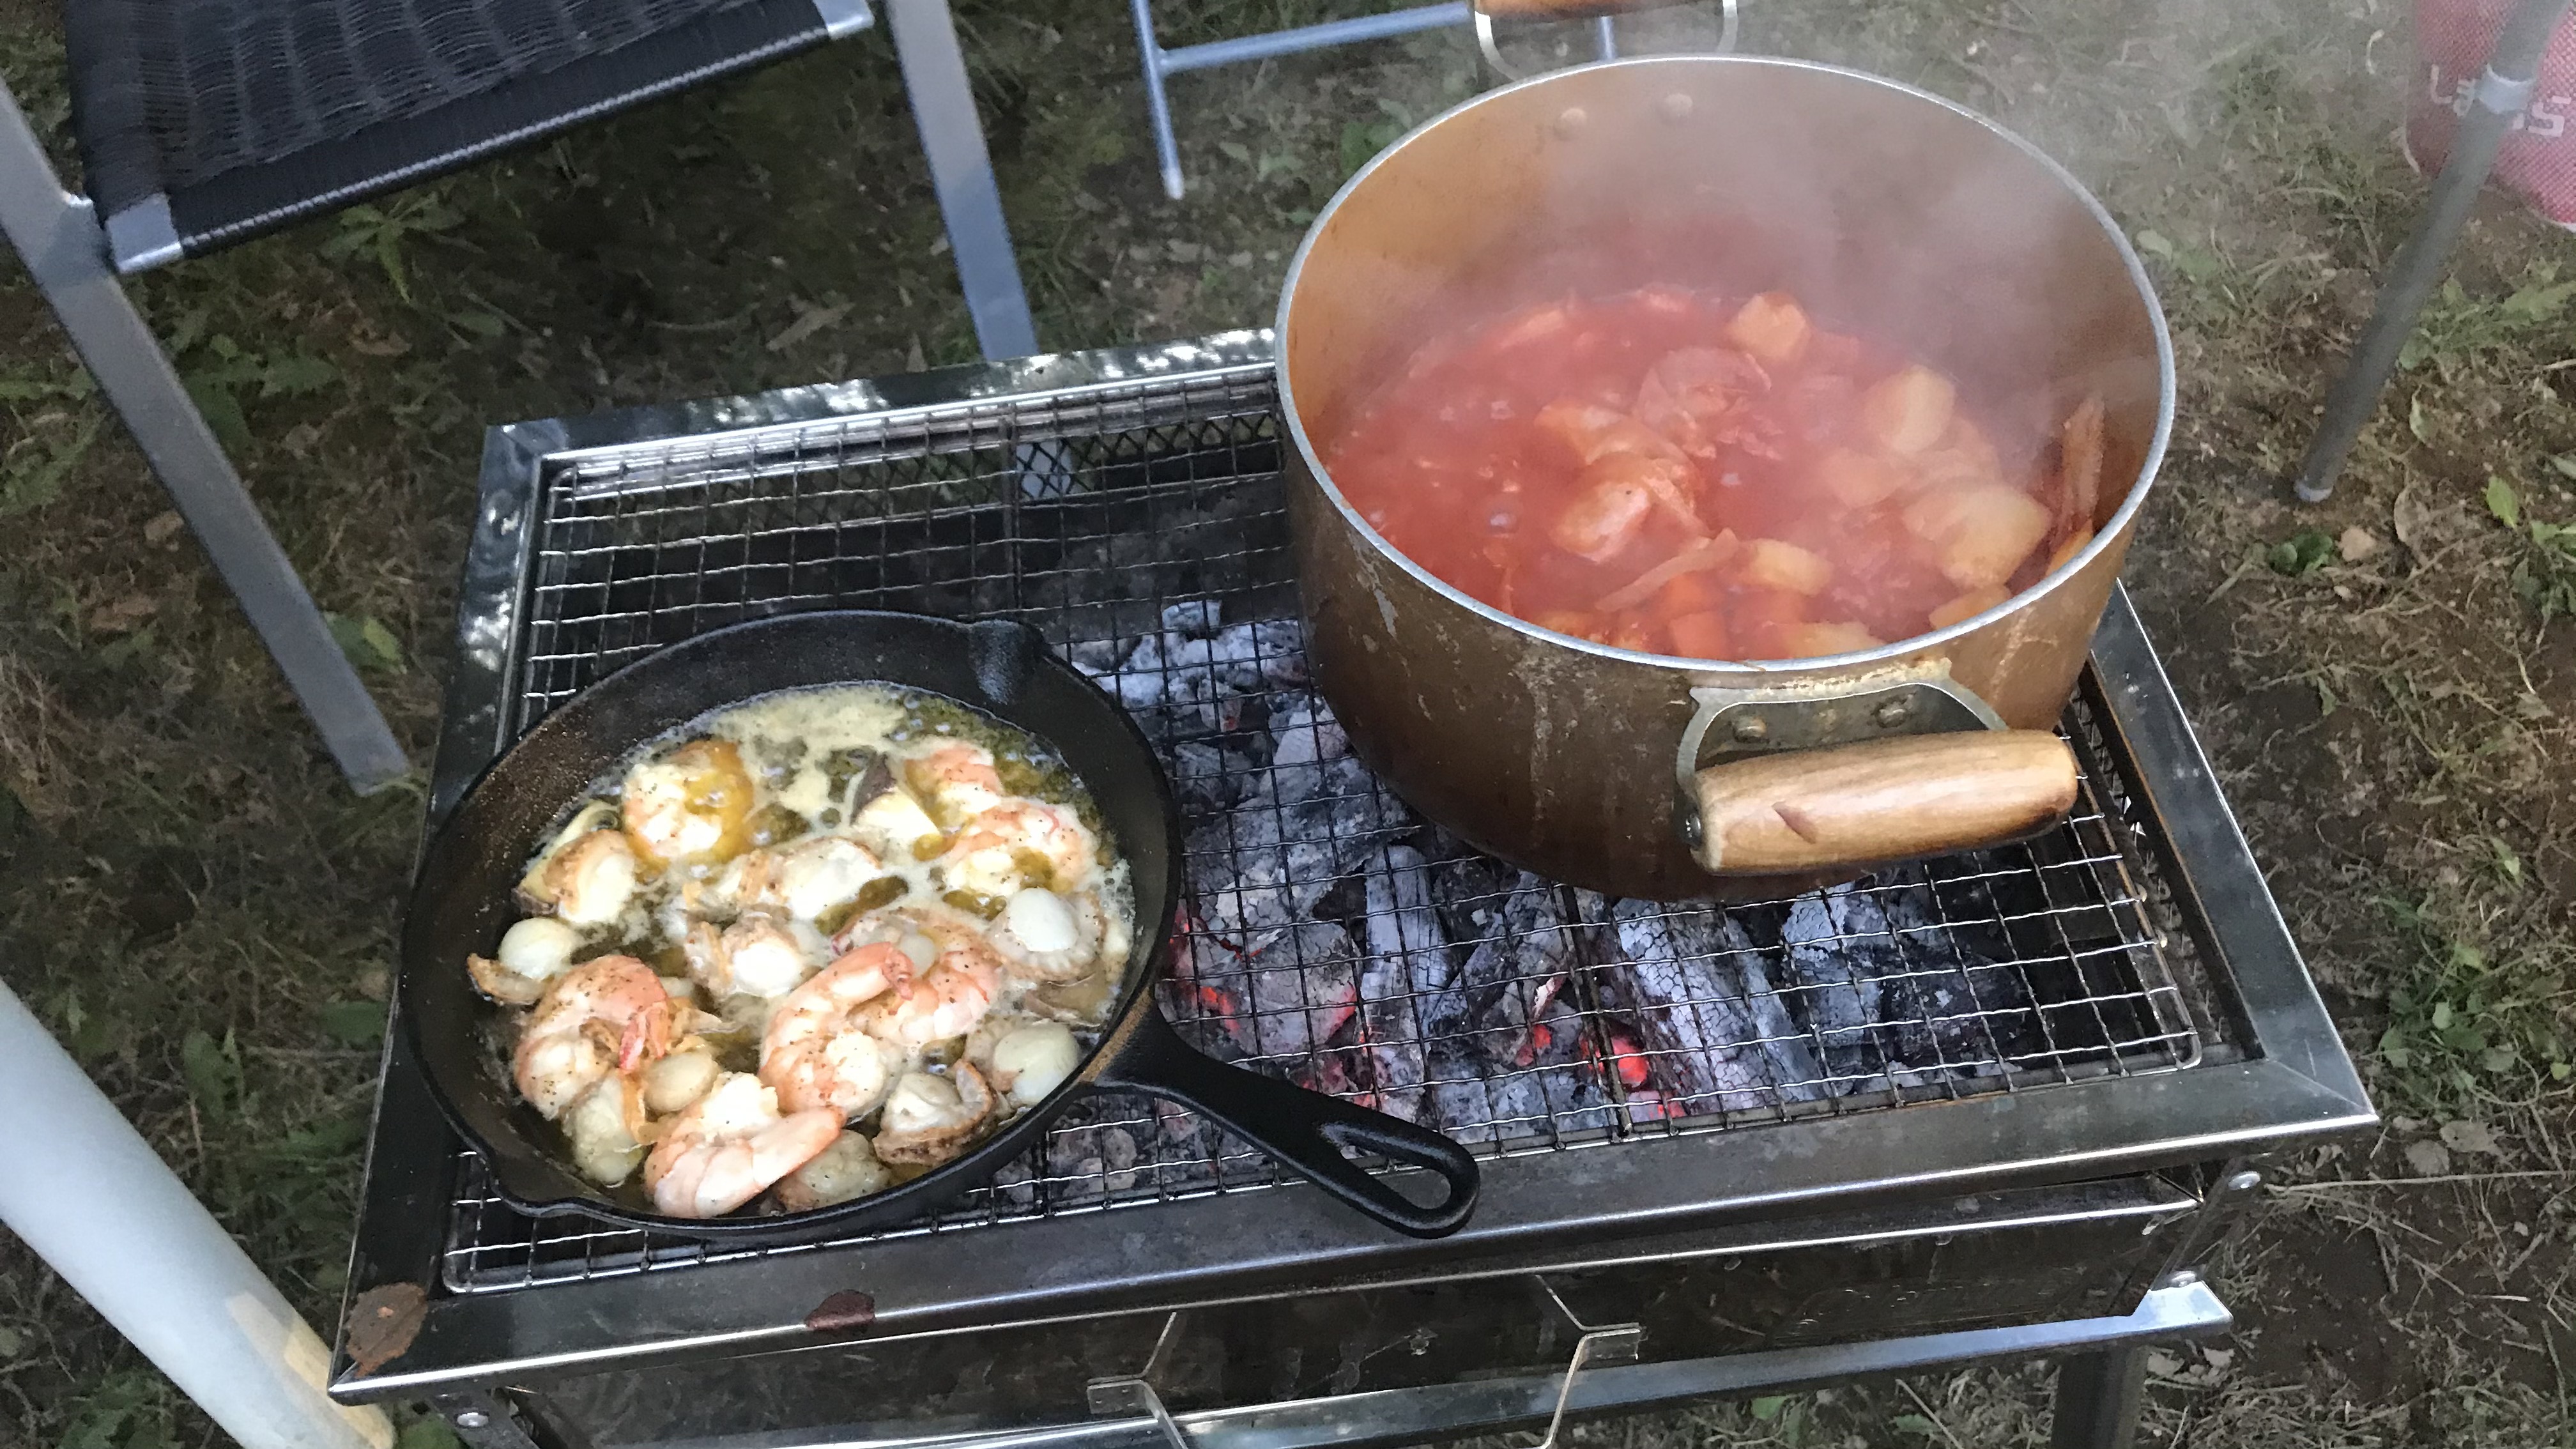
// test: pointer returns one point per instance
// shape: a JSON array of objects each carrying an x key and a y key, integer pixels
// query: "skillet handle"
[{"x": 1306, "y": 1130}]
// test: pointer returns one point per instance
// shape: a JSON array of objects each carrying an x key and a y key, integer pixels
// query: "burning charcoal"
[
  {"x": 1557, "y": 1090},
  {"x": 1523, "y": 951},
  {"x": 1304, "y": 986},
  {"x": 1204, "y": 995},
  {"x": 1015, "y": 1186},
  {"x": 1280, "y": 998},
  {"x": 1939, "y": 1009},
  {"x": 1087, "y": 1161},
  {"x": 1840, "y": 955},
  {"x": 1099, "y": 657},
  {"x": 1716, "y": 1036},
  {"x": 1207, "y": 779},
  {"x": 1302, "y": 823},
  {"x": 1193, "y": 664},
  {"x": 1415, "y": 1017},
  {"x": 1192, "y": 618}
]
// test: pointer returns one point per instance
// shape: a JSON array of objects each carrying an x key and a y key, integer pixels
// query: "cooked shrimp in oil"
[
  {"x": 816, "y": 940},
  {"x": 959, "y": 781},
  {"x": 1018, "y": 843},
  {"x": 949, "y": 994},
  {"x": 816, "y": 1052},
  {"x": 729, "y": 1146},
  {"x": 603, "y": 1016}
]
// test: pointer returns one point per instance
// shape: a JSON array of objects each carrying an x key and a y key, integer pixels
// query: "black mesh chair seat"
[{"x": 205, "y": 122}]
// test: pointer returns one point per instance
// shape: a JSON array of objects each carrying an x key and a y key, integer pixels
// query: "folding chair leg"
[
  {"x": 961, "y": 171},
  {"x": 1158, "y": 101},
  {"x": 58, "y": 237}
]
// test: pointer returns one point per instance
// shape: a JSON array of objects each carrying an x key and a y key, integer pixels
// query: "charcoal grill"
[{"x": 1993, "y": 1104}]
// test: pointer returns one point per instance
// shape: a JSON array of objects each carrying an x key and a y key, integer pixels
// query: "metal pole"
[
  {"x": 961, "y": 171},
  {"x": 2512, "y": 74},
  {"x": 1271, "y": 43},
  {"x": 1161, "y": 63},
  {"x": 87, "y": 1193},
  {"x": 58, "y": 237},
  {"x": 1158, "y": 105}
]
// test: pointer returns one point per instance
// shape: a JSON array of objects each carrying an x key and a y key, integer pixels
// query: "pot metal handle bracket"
[
  {"x": 1133, "y": 1395},
  {"x": 1600, "y": 11},
  {"x": 1612, "y": 1343},
  {"x": 1729, "y": 723}
]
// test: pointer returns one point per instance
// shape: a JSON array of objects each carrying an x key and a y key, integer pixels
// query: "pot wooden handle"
[{"x": 1882, "y": 800}]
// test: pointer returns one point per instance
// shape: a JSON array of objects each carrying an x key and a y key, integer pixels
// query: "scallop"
[
  {"x": 677, "y": 1080},
  {"x": 1035, "y": 1060},
  {"x": 1041, "y": 920},
  {"x": 539, "y": 948}
]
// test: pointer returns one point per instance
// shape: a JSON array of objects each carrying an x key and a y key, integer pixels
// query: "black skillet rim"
[{"x": 907, "y": 1200}]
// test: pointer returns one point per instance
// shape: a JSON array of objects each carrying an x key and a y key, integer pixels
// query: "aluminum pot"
[{"x": 1888, "y": 212}]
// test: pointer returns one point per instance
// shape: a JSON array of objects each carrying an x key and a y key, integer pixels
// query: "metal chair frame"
[{"x": 58, "y": 233}]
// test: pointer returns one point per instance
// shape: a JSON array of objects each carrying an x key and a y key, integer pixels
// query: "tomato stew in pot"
[{"x": 1684, "y": 474}]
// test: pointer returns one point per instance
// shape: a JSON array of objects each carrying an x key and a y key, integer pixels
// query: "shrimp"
[
  {"x": 813, "y": 1055},
  {"x": 1042, "y": 936},
  {"x": 730, "y": 1145},
  {"x": 1015, "y": 844},
  {"x": 806, "y": 879},
  {"x": 1620, "y": 492},
  {"x": 929, "y": 1119},
  {"x": 690, "y": 805},
  {"x": 953, "y": 979},
  {"x": 958, "y": 779},
  {"x": 755, "y": 956},
  {"x": 948, "y": 999},
  {"x": 603, "y": 1016}
]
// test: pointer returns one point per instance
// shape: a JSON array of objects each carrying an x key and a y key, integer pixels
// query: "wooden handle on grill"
[{"x": 1882, "y": 800}]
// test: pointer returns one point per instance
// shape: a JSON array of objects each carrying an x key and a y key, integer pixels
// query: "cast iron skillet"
[{"x": 461, "y": 903}]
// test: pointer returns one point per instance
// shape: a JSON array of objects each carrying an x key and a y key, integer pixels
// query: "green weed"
[
  {"x": 2472, "y": 1024},
  {"x": 127, "y": 1410},
  {"x": 2544, "y": 574},
  {"x": 220, "y": 373},
  {"x": 385, "y": 233},
  {"x": 2458, "y": 330},
  {"x": 2303, "y": 552},
  {"x": 1362, "y": 140},
  {"x": 366, "y": 641}
]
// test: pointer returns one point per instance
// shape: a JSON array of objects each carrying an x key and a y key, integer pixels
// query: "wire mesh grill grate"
[{"x": 1329, "y": 935}]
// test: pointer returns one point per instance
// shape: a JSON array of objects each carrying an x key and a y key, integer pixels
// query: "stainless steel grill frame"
[{"x": 2126, "y": 999}]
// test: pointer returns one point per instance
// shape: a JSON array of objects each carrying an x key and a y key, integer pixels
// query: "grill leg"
[
  {"x": 58, "y": 236},
  {"x": 961, "y": 171},
  {"x": 2098, "y": 1396}
]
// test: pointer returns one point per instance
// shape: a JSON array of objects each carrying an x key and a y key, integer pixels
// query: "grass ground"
[{"x": 2386, "y": 683}]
